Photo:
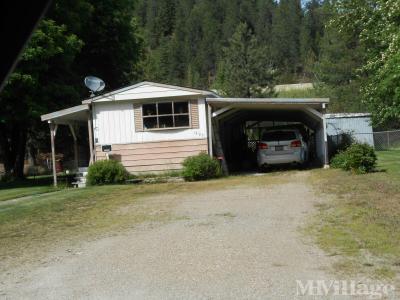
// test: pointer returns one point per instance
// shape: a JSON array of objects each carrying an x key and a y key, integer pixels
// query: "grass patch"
[
  {"x": 226, "y": 215},
  {"x": 299, "y": 93},
  {"x": 28, "y": 227},
  {"x": 361, "y": 223},
  {"x": 13, "y": 193},
  {"x": 389, "y": 161},
  {"x": 32, "y": 186}
]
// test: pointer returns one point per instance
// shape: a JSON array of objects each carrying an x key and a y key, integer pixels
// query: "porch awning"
[{"x": 67, "y": 116}]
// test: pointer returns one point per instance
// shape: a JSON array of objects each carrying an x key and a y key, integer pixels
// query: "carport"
[{"x": 236, "y": 124}]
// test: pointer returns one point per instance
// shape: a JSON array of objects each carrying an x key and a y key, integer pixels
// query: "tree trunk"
[
  {"x": 13, "y": 142},
  {"x": 20, "y": 151}
]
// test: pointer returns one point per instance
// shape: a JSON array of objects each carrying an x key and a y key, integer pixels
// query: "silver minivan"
[{"x": 282, "y": 146}]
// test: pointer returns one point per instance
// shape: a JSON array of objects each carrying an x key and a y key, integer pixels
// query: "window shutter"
[
  {"x": 137, "y": 111},
  {"x": 194, "y": 113}
]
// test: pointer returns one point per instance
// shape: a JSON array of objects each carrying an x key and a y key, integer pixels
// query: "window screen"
[
  {"x": 279, "y": 136},
  {"x": 171, "y": 114}
]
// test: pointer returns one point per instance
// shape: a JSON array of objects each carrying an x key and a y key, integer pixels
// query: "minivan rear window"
[{"x": 279, "y": 136}]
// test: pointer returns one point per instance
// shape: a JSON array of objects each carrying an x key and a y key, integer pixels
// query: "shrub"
[
  {"x": 106, "y": 172},
  {"x": 339, "y": 142},
  {"x": 201, "y": 167},
  {"x": 358, "y": 158}
]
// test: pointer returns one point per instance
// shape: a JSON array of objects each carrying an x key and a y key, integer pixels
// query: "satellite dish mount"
[{"x": 94, "y": 84}]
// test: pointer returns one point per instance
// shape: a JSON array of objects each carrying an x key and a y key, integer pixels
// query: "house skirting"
[{"x": 149, "y": 157}]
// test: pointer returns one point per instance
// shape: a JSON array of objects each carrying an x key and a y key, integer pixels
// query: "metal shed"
[{"x": 356, "y": 124}]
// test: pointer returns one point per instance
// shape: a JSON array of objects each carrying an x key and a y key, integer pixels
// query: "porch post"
[
  {"x": 53, "y": 152},
  {"x": 76, "y": 158},
  {"x": 90, "y": 131}
]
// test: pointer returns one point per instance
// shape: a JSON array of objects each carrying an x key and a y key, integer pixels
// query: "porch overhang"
[{"x": 75, "y": 114}]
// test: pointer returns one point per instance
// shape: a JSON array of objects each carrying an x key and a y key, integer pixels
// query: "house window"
[{"x": 166, "y": 115}]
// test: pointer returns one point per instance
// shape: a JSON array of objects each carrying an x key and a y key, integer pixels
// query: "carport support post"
[
  {"x": 90, "y": 134},
  {"x": 53, "y": 152},
  {"x": 210, "y": 131}
]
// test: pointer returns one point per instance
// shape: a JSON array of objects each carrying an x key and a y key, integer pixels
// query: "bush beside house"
[
  {"x": 358, "y": 158},
  {"x": 201, "y": 167},
  {"x": 106, "y": 172}
]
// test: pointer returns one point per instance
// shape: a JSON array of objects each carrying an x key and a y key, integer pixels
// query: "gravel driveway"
[{"x": 237, "y": 243}]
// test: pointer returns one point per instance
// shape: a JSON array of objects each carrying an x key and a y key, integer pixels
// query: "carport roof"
[{"x": 303, "y": 101}]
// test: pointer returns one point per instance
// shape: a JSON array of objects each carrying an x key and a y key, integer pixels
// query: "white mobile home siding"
[
  {"x": 114, "y": 123},
  {"x": 146, "y": 151},
  {"x": 358, "y": 124}
]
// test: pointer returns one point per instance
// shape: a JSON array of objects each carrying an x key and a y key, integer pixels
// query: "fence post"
[{"x": 387, "y": 139}]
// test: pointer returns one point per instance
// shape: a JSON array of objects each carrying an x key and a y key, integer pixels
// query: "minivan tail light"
[
  {"x": 295, "y": 144},
  {"x": 262, "y": 146}
]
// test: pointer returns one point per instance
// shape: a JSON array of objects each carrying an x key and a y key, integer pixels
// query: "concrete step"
[
  {"x": 80, "y": 179},
  {"x": 81, "y": 174},
  {"x": 79, "y": 184}
]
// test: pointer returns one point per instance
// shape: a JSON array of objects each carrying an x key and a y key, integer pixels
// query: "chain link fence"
[
  {"x": 381, "y": 140},
  {"x": 386, "y": 140}
]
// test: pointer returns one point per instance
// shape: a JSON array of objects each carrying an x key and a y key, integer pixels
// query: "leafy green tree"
[
  {"x": 245, "y": 70},
  {"x": 39, "y": 82},
  {"x": 112, "y": 46},
  {"x": 76, "y": 38},
  {"x": 376, "y": 23}
]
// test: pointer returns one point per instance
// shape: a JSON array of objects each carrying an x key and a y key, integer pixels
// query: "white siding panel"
[
  {"x": 149, "y": 92},
  {"x": 114, "y": 124},
  {"x": 144, "y": 89},
  {"x": 154, "y": 94}
]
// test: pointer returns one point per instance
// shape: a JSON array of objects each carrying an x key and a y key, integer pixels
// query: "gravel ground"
[{"x": 238, "y": 243}]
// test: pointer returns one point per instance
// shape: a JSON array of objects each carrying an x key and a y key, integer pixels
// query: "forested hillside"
[
  {"x": 185, "y": 39},
  {"x": 349, "y": 49}
]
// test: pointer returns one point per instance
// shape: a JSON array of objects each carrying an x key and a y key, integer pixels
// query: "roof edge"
[
  {"x": 268, "y": 100},
  {"x": 120, "y": 90},
  {"x": 63, "y": 112},
  {"x": 347, "y": 115}
]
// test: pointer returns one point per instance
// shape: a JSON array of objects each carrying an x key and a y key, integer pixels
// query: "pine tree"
[
  {"x": 312, "y": 30},
  {"x": 286, "y": 38},
  {"x": 336, "y": 68},
  {"x": 245, "y": 70},
  {"x": 263, "y": 26}
]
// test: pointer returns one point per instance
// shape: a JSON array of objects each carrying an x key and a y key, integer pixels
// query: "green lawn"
[
  {"x": 360, "y": 221},
  {"x": 31, "y": 186},
  {"x": 389, "y": 161},
  {"x": 12, "y": 193}
]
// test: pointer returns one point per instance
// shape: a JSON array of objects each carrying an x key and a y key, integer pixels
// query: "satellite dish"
[{"x": 94, "y": 84}]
